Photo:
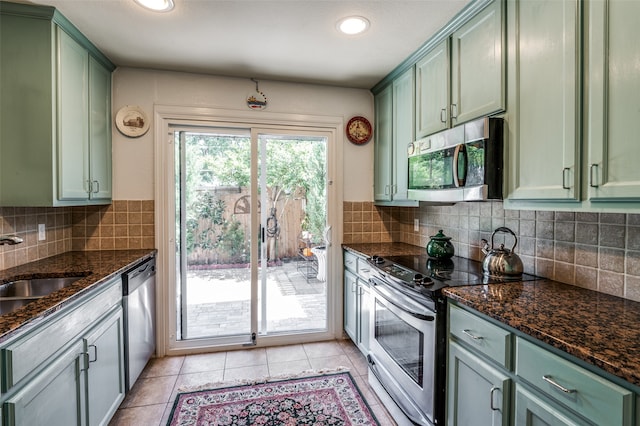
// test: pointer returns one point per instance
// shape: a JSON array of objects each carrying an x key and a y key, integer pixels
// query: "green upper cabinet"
[
  {"x": 478, "y": 61},
  {"x": 403, "y": 103},
  {"x": 432, "y": 91},
  {"x": 613, "y": 116},
  {"x": 383, "y": 148},
  {"x": 55, "y": 109},
  {"x": 463, "y": 77},
  {"x": 544, "y": 99},
  {"x": 394, "y": 131}
]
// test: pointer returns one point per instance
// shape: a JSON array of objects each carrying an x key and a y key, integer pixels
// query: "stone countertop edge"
[
  {"x": 96, "y": 267},
  {"x": 596, "y": 328}
]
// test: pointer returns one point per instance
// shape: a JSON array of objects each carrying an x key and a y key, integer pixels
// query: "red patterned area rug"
[{"x": 332, "y": 399}]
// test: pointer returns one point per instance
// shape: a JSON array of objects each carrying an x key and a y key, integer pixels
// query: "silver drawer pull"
[
  {"x": 468, "y": 333},
  {"x": 549, "y": 379},
  {"x": 493, "y": 389}
]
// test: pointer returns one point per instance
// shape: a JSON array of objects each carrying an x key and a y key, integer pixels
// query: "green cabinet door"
[
  {"x": 531, "y": 410},
  {"x": 73, "y": 118},
  {"x": 478, "y": 66},
  {"x": 432, "y": 91},
  {"x": 364, "y": 312},
  {"x": 613, "y": 116},
  {"x": 350, "y": 305},
  {"x": 477, "y": 393},
  {"x": 105, "y": 375},
  {"x": 403, "y": 135},
  {"x": 383, "y": 145},
  {"x": 54, "y": 397},
  {"x": 99, "y": 130},
  {"x": 544, "y": 87}
]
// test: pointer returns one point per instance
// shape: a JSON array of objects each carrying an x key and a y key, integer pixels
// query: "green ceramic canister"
[{"x": 440, "y": 246}]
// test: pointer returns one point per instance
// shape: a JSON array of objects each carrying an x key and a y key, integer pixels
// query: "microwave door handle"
[{"x": 460, "y": 149}]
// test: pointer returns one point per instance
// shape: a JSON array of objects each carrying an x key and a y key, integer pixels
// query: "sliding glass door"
[{"x": 251, "y": 233}]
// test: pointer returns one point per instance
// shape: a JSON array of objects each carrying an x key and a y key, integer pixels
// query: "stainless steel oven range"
[{"x": 407, "y": 357}]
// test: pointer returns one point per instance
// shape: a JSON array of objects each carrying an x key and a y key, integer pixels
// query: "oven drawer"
[
  {"x": 350, "y": 262},
  {"x": 491, "y": 340},
  {"x": 595, "y": 398}
]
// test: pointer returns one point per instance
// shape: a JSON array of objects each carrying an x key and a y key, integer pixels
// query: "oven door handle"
[{"x": 397, "y": 301}]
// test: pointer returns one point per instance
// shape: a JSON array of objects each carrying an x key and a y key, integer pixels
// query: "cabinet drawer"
[
  {"x": 363, "y": 268},
  {"x": 593, "y": 397},
  {"x": 350, "y": 262},
  {"x": 491, "y": 340},
  {"x": 25, "y": 354}
]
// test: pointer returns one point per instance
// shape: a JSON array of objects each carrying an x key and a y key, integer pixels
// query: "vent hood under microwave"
[{"x": 460, "y": 164}]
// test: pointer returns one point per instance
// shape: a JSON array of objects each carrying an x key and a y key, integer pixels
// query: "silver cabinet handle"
[
  {"x": 493, "y": 389},
  {"x": 443, "y": 115},
  {"x": 454, "y": 111},
  {"x": 95, "y": 353},
  {"x": 591, "y": 179},
  {"x": 549, "y": 379},
  {"x": 353, "y": 287},
  {"x": 474, "y": 337},
  {"x": 564, "y": 175},
  {"x": 97, "y": 187}
]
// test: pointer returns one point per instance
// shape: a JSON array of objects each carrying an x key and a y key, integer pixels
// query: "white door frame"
[{"x": 164, "y": 116}]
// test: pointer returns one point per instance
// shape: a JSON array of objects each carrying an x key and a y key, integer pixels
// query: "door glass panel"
[
  {"x": 215, "y": 284},
  {"x": 293, "y": 291}
]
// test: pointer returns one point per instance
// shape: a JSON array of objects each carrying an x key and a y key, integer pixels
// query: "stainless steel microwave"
[{"x": 459, "y": 164}]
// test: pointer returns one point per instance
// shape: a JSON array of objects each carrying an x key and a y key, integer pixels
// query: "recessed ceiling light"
[
  {"x": 156, "y": 5},
  {"x": 353, "y": 25}
]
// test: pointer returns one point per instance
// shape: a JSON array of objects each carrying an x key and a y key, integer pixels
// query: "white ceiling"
[{"x": 288, "y": 40}]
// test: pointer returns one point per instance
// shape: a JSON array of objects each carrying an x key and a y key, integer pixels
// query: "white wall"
[{"x": 133, "y": 168}]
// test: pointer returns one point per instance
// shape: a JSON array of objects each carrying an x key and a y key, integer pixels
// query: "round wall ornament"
[
  {"x": 131, "y": 121},
  {"x": 359, "y": 130}
]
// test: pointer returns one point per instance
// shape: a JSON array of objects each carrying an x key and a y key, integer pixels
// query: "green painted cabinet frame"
[{"x": 55, "y": 110}]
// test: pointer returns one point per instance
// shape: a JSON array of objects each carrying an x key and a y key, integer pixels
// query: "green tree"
[{"x": 293, "y": 164}]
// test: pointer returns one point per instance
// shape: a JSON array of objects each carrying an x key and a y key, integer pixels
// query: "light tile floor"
[{"x": 151, "y": 399}]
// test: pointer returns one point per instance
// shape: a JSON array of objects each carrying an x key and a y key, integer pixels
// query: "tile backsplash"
[
  {"x": 124, "y": 224},
  {"x": 599, "y": 251}
]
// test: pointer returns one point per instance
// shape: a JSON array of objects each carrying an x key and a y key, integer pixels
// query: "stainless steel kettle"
[{"x": 501, "y": 261}]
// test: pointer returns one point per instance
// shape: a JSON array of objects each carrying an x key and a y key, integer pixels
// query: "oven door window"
[{"x": 402, "y": 342}]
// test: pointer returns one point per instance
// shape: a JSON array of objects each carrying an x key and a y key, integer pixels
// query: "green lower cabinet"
[
  {"x": 356, "y": 310},
  {"x": 532, "y": 410},
  {"x": 83, "y": 386},
  {"x": 350, "y": 314},
  {"x": 478, "y": 394},
  {"x": 105, "y": 375},
  {"x": 363, "y": 308},
  {"x": 573, "y": 387},
  {"x": 53, "y": 397}
]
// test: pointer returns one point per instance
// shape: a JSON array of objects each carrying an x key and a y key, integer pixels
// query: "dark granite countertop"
[
  {"x": 597, "y": 328},
  {"x": 96, "y": 267}
]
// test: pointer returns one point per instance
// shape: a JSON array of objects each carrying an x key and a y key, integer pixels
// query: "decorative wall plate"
[
  {"x": 359, "y": 130},
  {"x": 131, "y": 121},
  {"x": 257, "y": 100}
]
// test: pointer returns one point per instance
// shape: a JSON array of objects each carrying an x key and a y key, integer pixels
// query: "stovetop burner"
[{"x": 426, "y": 275}]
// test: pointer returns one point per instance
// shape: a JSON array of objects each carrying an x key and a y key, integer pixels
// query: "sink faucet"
[{"x": 12, "y": 240}]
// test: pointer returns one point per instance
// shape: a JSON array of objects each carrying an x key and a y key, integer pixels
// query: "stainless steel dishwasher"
[{"x": 139, "y": 299}]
